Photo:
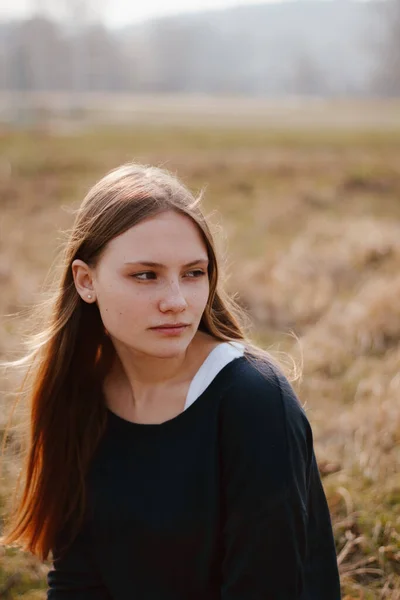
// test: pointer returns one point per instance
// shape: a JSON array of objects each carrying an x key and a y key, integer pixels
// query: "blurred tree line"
[
  {"x": 310, "y": 47},
  {"x": 386, "y": 79}
]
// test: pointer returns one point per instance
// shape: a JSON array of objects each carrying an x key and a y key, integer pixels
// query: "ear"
[{"x": 83, "y": 279}]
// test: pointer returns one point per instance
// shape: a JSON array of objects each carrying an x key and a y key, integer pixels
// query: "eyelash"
[{"x": 136, "y": 276}]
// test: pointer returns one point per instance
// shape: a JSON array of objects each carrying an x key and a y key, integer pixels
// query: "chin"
[
  {"x": 172, "y": 351},
  {"x": 169, "y": 349}
]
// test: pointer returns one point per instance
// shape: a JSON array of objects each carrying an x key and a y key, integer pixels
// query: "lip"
[
  {"x": 174, "y": 326},
  {"x": 171, "y": 331}
]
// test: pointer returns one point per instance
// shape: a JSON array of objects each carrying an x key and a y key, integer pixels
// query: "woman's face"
[{"x": 134, "y": 297}]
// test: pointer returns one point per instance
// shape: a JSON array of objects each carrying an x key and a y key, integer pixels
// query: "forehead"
[{"x": 169, "y": 235}]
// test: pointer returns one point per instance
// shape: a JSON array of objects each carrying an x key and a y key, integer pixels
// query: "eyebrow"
[{"x": 148, "y": 263}]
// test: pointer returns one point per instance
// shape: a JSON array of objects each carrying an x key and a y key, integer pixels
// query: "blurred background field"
[
  {"x": 287, "y": 114},
  {"x": 309, "y": 223}
]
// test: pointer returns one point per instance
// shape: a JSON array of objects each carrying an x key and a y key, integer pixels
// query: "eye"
[
  {"x": 139, "y": 276},
  {"x": 197, "y": 273}
]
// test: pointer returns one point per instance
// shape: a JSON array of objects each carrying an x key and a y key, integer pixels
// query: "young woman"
[{"x": 169, "y": 458}]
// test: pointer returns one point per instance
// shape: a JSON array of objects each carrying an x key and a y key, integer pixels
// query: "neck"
[
  {"x": 139, "y": 378},
  {"x": 150, "y": 371}
]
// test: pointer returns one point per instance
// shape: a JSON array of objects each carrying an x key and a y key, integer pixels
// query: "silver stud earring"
[{"x": 89, "y": 296}]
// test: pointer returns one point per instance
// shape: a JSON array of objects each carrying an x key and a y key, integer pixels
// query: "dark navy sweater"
[{"x": 223, "y": 501}]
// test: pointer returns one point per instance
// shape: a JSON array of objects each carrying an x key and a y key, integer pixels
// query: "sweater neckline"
[
  {"x": 187, "y": 414},
  {"x": 213, "y": 363}
]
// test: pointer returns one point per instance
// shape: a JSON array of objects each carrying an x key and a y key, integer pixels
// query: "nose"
[{"x": 173, "y": 299}]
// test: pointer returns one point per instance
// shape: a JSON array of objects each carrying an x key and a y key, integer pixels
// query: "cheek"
[
  {"x": 199, "y": 296},
  {"x": 119, "y": 305}
]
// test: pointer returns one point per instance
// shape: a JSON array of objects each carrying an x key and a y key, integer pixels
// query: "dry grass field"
[{"x": 309, "y": 223}]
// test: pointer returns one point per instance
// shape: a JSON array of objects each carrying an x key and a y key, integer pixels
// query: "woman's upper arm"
[
  {"x": 266, "y": 453},
  {"x": 74, "y": 575}
]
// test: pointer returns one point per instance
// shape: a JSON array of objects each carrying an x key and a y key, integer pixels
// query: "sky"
[{"x": 119, "y": 12}]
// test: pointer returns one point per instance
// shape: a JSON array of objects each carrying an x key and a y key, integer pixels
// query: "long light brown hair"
[{"x": 68, "y": 359}]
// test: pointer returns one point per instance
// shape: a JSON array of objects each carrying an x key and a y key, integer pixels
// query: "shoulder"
[
  {"x": 257, "y": 386},
  {"x": 260, "y": 403},
  {"x": 266, "y": 443}
]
